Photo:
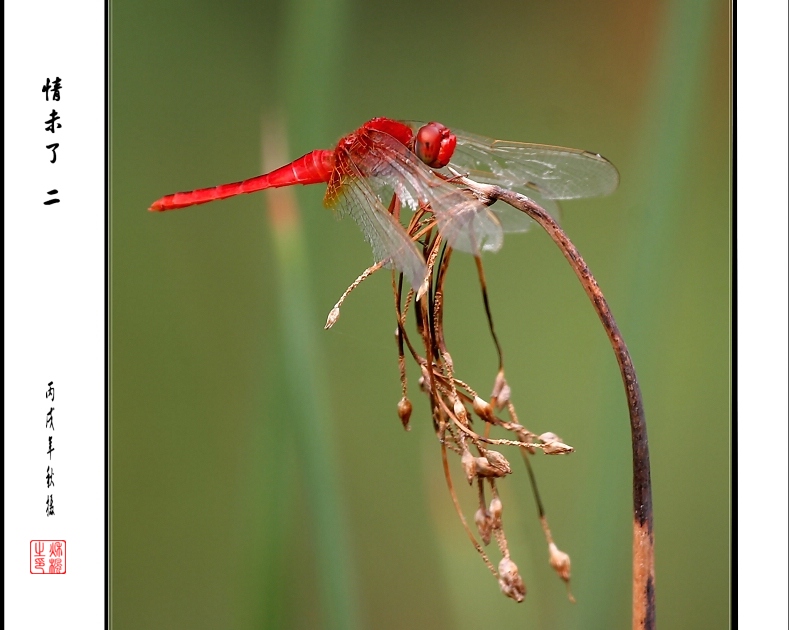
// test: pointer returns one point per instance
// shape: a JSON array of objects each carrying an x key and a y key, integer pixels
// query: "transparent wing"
[
  {"x": 463, "y": 220},
  {"x": 351, "y": 195},
  {"x": 538, "y": 171},
  {"x": 552, "y": 172}
]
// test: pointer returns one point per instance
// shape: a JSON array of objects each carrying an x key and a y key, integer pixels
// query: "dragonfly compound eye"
[{"x": 434, "y": 144}]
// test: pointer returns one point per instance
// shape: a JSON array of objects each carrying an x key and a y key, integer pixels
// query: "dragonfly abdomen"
[{"x": 313, "y": 168}]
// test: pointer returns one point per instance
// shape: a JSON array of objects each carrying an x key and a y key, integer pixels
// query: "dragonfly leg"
[{"x": 394, "y": 207}]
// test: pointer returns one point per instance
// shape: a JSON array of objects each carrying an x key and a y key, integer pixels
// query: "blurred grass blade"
[
  {"x": 674, "y": 98},
  {"x": 306, "y": 394},
  {"x": 308, "y": 76},
  {"x": 673, "y": 107},
  {"x": 311, "y": 61}
]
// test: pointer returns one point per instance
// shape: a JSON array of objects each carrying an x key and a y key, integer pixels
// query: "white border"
[
  {"x": 761, "y": 68},
  {"x": 54, "y": 310}
]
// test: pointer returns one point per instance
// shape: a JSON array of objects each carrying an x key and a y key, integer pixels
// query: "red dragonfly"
[{"x": 416, "y": 165}]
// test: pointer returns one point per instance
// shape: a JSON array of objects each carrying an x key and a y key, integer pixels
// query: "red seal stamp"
[{"x": 48, "y": 556}]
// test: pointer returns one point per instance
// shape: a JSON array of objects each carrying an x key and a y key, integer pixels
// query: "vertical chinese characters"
[
  {"x": 50, "y": 427},
  {"x": 51, "y": 89}
]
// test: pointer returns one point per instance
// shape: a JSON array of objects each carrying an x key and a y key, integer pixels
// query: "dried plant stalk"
[
  {"x": 452, "y": 422},
  {"x": 643, "y": 536}
]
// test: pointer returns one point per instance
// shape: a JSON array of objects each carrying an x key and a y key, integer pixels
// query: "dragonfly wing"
[
  {"x": 472, "y": 230},
  {"x": 463, "y": 220},
  {"x": 552, "y": 172},
  {"x": 390, "y": 243}
]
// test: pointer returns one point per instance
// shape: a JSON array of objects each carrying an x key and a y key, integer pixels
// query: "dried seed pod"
[
  {"x": 560, "y": 561},
  {"x": 404, "y": 409},
  {"x": 497, "y": 460},
  {"x": 469, "y": 463},
  {"x": 557, "y": 448},
  {"x": 334, "y": 315},
  {"x": 504, "y": 396},
  {"x": 483, "y": 409},
  {"x": 553, "y": 445},
  {"x": 501, "y": 391},
  {"x": 495, "y": 510},
  {"x": 510, "y": 580},
  {"x": 485, "y": 468},
  {"x": 484, "y": 525},
  {"x": 460, "y": 411}
]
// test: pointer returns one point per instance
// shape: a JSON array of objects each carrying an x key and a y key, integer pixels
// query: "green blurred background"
[{"x": 260, "y": 477}]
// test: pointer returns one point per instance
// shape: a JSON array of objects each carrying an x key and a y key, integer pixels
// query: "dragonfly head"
[{"x": 434, "y": 144}]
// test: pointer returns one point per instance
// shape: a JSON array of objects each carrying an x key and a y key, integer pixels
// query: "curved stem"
[{"x": 643, "y": 537}]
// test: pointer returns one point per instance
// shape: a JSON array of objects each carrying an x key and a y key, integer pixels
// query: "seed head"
[
  {"x": 510, "y": 580},
  {"x": 483, "y": 409},
  {"x": 460, "y": 411},
  {"x": 560, "y": 562},
  {"x": 501, "y": 391},
  {"x": 469, "y": 463},
  {"x": 488, "y": 468},
  {"x": 495, "y": 512},
  {"x": 484, "y": 525},
  {"x": 553, "y": 445},
  {"x": 498, "y": 460},
  {"x": 404, "y": 409},
  {"x": 334, "y": 315}
]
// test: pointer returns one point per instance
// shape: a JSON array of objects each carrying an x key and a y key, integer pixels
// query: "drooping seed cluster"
[{"x": 455, "y": 405}]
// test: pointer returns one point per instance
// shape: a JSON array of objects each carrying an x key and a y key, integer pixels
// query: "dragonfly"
[{"x": 421, "y": 166}]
